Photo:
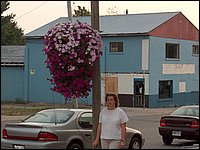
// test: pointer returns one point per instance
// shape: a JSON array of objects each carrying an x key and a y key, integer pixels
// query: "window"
[
  {"x": 195, "y": 49},
  {"x": 172, "y": 51},
  {"x": 165, "y": 89},
  {"x": 85, "y": 120},
  {"x": 188, "y": 111},
  {"x": 116, "y": 46},
  {"x": 182, "y": 86},
  {"x": 46, "y": 116}
]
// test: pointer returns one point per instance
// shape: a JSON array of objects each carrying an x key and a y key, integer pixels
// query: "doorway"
[{"x": 139, "y": 92}]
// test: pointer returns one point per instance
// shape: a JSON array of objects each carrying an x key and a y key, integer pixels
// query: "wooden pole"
[
  {"x": 96, "y": 93},
  {"x": 69, "y": 10}
]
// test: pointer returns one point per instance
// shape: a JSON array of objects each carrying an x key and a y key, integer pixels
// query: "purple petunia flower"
[{"x": 71, "y": 49}]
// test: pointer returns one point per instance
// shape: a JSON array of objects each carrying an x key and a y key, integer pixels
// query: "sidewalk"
[
  {"x": 135, "y": 111},
  {"x": 130, "y": 111}
]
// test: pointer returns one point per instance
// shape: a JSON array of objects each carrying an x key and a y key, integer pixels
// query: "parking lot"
[{"x": 143, "y": 119}]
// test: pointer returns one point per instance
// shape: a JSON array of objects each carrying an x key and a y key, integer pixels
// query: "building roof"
[
  {"x": 12, "y": 55},
  {"x": 115, "y": 24}
]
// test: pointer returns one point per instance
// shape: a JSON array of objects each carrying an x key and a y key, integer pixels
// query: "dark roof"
[
  {"x": 115, "y": 24},
  {"x": 12, "y": 55}
]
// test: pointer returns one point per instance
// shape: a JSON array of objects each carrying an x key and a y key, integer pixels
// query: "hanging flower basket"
[{"x": 71, "y": 50}]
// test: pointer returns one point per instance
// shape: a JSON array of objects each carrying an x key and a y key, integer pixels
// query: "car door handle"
[{"x": 87, "y": 134}]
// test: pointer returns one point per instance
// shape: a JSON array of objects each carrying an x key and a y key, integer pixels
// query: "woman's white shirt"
[{"x": 111, "y": 121}]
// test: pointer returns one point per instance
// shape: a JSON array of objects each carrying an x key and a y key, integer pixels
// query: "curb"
[
  {"x": 12, "y": 118},
  {"x": 131, "y": 111}
]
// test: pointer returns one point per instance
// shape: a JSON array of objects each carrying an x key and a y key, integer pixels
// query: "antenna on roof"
[
  {"x": 53, "y": 106},
  {"x": 126, "y": 11},
  {"x": 54, "y": 109}
]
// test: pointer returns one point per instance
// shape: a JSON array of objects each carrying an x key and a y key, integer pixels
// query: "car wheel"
[
  {"x": 135, "y": 143},
  {"x": 74, "y": 146},
  {"x": 167, "y": 140}
]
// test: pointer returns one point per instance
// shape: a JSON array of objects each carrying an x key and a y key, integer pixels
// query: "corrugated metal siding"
[
  {"x": 178, "y": 27},
  {"x": 157, "y": 58},
  {"x": 37, "y": 87},
  {"x": 12, "y": 84},
  {"x": 179, "y": 99},
  {"x": 130, "y": 60}
]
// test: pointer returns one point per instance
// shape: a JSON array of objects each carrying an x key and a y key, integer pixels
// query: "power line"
[{"x": 31, "y": 10}]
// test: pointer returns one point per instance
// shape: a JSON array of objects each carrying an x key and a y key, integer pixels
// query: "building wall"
[
  {"x": 37, "y": 86},
  {"x": 12, "y": 84},
  {"x": 37, "y": 73},
  {"x": 127, "y": 61},
  {"x": 157, "y": 59}
]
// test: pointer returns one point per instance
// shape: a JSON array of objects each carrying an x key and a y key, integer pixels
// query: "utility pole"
[
  {"x": 96, "y": 93},
  {"x": 69, "y": 10}
]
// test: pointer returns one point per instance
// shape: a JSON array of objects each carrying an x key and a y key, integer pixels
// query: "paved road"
[{"x": 147, "y": 121}]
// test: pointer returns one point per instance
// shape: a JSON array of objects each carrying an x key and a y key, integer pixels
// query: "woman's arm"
[
  {"x": 96, "y": 141},
  {"x": 123, "y": 134}
]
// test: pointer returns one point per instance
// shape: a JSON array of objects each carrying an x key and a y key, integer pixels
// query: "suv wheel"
[{"x": 167, "y": 140}]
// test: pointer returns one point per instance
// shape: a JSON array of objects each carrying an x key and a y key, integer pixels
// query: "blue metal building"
[
  {"x": 149, "y": 60},
  {"x": 12, "y": 73}
]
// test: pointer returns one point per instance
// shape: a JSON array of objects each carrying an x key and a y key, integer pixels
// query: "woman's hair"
[{"x": 115, "y": 98}]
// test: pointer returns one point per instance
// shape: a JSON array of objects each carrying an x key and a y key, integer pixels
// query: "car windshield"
[
  {"x": 187, "y": 111},
  {"x": 50, "y": 116}
]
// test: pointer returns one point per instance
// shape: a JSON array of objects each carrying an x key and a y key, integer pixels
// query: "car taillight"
[
  {"x": 47, "y": 136},
  {"x": 162, "y": 122},
  {"x": 195, "y": 124},
  {"x": 4, "y": 133}
]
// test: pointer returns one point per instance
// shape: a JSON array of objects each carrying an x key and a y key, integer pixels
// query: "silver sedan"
[{"x": 58, "y": 129}]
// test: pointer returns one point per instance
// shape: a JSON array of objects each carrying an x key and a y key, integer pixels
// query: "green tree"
[
  {"x": 81, "y": 12},
  {"x": 113, "y": 11},
  {"x": 11, "y": 34}
]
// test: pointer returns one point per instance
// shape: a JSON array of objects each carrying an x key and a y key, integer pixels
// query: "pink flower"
[{"x": 71, "y": 50}]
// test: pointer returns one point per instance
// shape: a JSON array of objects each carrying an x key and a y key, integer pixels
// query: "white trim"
[{"x": 145, "y": 54}]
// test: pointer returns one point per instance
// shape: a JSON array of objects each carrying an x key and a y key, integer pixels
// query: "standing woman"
[{"x": 111, "y": 129}]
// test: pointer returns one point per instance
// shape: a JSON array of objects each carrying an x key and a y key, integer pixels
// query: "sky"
[{"x": 31, "y": 15}]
